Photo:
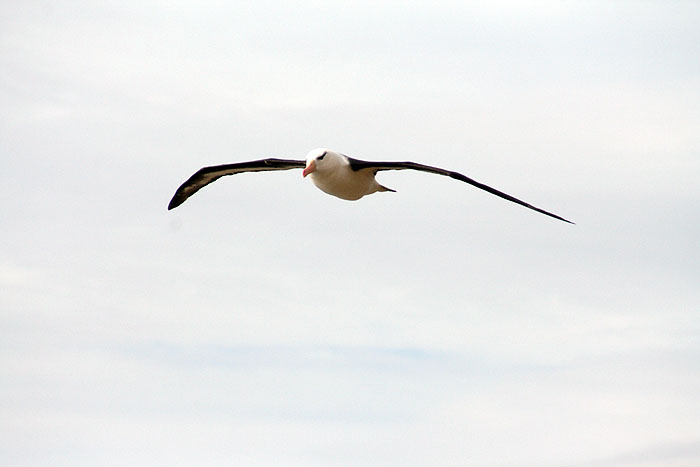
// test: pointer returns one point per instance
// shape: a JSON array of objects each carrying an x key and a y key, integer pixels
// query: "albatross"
[{"x": 333, "y": 173}]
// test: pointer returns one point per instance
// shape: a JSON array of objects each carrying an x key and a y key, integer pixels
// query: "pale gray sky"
[{"x": 266, "y": 323}]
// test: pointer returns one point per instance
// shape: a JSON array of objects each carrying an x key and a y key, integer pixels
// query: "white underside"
[{"x": 346, "y": 184}]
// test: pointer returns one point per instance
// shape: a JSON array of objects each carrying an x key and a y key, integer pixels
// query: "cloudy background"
[{"x": 265, "y": 323}]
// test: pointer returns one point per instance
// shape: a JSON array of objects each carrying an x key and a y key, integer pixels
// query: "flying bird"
[{"x": 333, "y": 173}]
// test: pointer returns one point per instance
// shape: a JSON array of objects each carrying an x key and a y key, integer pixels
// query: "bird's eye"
[{"x": 321, "y": 156}]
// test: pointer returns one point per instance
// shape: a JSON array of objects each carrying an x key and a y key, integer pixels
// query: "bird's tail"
[{"x": 383, "y": 188}]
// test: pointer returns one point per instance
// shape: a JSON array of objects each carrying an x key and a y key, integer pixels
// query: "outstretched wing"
[
  {"x": 207, "y": 175},
  {"x": 356, "y": 165}
]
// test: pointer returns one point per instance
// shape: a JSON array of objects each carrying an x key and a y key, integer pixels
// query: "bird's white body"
[{"x": 330, "y": 171}]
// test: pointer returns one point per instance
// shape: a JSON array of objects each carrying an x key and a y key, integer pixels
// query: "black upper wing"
[
  {"x": 356, "y": 165},
  {"x": 207, "y": 175}
]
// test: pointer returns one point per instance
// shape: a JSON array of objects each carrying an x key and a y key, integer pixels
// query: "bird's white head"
[{"x": 321, "y": 161}]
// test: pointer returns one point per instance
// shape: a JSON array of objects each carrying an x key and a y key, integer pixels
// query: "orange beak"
[{"x": 309, "y": 168}]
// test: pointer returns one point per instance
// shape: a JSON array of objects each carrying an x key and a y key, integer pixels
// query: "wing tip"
[
  {"x": 175, "y": 202},
  {"x": 558, "y": 217}
]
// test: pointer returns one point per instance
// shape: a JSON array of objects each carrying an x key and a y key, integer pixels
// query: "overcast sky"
[{"x": 266, "y": 323}]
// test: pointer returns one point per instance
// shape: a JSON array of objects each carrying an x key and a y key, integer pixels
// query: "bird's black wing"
[
  {"x": 356, "y": 165},
  {"x": 207, "y": 175}
]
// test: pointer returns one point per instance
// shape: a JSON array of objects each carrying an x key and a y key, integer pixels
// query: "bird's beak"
[{"x": 311, "y": 167}]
